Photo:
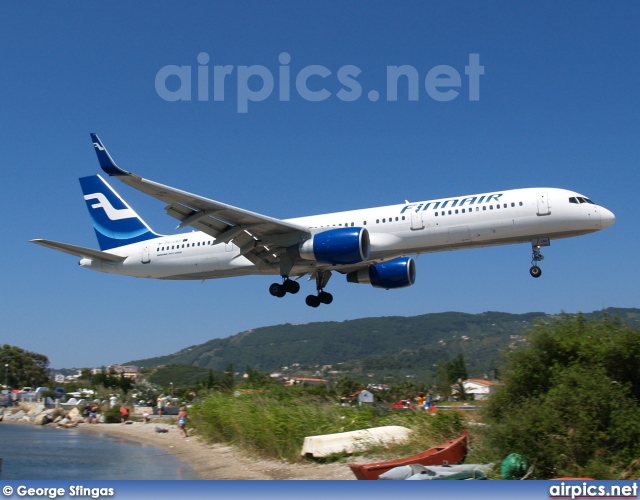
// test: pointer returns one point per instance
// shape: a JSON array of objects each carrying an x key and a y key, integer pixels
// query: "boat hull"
[{"x": 452, "y": 452}]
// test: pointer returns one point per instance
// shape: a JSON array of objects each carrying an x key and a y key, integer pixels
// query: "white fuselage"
[{"x": 499, "y": 218}]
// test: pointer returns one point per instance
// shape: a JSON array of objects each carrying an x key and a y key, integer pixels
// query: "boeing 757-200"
[{"x": 372, "y": 246}]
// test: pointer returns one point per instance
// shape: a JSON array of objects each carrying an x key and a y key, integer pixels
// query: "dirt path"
[{"x": 218, "y": 461}]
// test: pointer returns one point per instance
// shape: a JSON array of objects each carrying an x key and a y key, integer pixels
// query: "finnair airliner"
[{"x": 372, "y": 246}]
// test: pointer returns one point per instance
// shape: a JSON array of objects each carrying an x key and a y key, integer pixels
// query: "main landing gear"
[
  {"x": 288, "y": 286},
  {"x": 537, "y": 256},
  {"x": 322, "y": 278},
  {"x": 293, "y": 287}
]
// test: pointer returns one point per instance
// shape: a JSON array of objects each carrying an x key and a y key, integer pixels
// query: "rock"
[
  {"x": 74, "y": 413},
  {"x": 57, "y": 419},
  {"x": 63, "y": 422},
  {"x": 42, "y": 419},
  {"x": 16, "y": 416},
  {"x": 33, "y": 412}
]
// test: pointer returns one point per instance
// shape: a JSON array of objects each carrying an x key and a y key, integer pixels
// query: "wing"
[
  {"x": 87, "y": 253},
  {"x": 260, "y": 238}
]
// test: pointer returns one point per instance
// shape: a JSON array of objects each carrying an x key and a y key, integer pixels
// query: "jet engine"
[
  {"x": 346, "y": 245},
  {"x": 396, "y": 273}
]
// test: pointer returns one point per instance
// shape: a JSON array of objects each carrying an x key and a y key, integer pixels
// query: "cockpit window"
[{"x": 580, "y": 199}]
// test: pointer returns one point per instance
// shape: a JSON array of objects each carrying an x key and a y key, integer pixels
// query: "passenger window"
[
  {"x": 490, "y": 207},
  {"x": 463, "y": 211},
  {"x": 520, "y": 203},
  {"x": 403, "y": 217},
  {"x": 484, "y": 208},
  {"x": 449, "y": 212},
  {"x": 513, "y": 204},
  {"x": 436, "y": 214},
  {"x": 504, "y": 206},
  {"x": 456, "y": 210},
  {"x": 377, "y": 221}
]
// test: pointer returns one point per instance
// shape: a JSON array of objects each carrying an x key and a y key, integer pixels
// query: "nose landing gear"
[{"x": 537, "y": 256}]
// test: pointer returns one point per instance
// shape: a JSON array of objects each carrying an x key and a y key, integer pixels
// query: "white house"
[{"x": 478, "y": 387}]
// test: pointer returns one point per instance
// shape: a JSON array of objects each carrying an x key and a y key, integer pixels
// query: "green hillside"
[{"x": 400, "y": 345}]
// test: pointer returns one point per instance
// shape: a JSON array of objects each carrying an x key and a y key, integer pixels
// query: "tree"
[
  {"x": 569, "y": 400},
  {"x": 257, "y": 379},
  {"x": 24, "y": 368},
  {"x": 146, "y": 391},
  {"x": 449, "y": 374},
  {"x": 227, "y": 380},
  {"x": 345, "y": 386},
  {"x": 457, "y": 372}
]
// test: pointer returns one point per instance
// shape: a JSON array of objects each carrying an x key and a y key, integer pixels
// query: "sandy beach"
[{"x": 217, "y": 461}]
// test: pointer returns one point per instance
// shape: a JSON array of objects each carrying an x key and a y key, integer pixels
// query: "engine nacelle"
[
  {"x": 396, "y": 273},
  {"x": 345, "y": 245}
]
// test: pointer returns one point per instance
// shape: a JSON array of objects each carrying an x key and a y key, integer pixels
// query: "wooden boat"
[{"x": 452, "y": 452}]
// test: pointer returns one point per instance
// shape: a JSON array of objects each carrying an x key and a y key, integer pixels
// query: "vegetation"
[
  {"x": 394, "y": 346},
  {"x": 184, "y": 375},
  {"x": 570, "y": 400},
  {"x": 23, "y": 368},
  {"x": 451, "y": 375},
  {"x": 274, "y": 422}
]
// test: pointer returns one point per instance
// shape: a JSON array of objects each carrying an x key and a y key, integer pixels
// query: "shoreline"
[{"x": 218, "y": 461}]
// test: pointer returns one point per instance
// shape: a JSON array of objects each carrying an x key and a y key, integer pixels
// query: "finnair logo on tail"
[
  {"x": 98, "y": 146},
  {"x": 112, "y": 213}
]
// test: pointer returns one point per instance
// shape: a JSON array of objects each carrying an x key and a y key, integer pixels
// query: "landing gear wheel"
[
  {"x": 535, "y": 271},
  {"x": 291, "y": 286},
  {"x": 277, "y": 290},
  {"x": 325, "y": 297},
  {"x": 312, "y": 300}
]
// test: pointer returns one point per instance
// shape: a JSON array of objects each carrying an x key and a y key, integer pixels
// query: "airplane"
[{"x": 372, "y": 246}]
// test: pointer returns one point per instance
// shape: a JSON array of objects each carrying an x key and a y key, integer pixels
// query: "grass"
[{"x": 275, "y": 425}]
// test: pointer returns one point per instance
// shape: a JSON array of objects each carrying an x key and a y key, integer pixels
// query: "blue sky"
[{"x": 558, "y": 106}]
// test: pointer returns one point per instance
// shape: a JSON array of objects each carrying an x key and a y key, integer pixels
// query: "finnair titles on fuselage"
[{"x": 370, "y": 246}]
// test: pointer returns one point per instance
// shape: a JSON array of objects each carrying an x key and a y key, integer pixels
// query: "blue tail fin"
[{"x": 115, "y": 222}]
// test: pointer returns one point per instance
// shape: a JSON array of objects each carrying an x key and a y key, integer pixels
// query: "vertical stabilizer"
[{"x": 116, "y": 224}]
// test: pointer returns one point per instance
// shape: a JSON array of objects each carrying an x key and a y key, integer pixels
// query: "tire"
[
  {"x": 535, "y": 271},
  {"x": 291, "y": 286},
  {"x": 325, "y": 298},
  {"x": 277, "y": 290},
  {"x": 312, "y": 301}
]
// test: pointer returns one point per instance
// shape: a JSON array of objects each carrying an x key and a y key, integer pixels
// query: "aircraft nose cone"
[{"x": 606, "y": 217}]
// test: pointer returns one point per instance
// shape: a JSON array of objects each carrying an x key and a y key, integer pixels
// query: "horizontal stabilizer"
[{"x": 86, "y": 253}]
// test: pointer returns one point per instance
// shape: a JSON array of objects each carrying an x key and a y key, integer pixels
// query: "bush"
[{"x": 569, "y": 400}]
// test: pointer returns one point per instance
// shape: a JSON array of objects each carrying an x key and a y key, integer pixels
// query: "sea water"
[{"x": 38, "y": 452}]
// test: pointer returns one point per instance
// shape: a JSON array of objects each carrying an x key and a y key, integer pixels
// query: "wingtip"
[{"x": 104, "y": 158}]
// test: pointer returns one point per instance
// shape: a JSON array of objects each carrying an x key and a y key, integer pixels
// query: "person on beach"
[
  {"x": 87, "y": 414},
  {"x": 125, "y": 414},
  {"x": 145, "y": 416},
  {"x": 160, "y": 402},
  {"x": 182, "y": 422},
  {"x": 93, "y": 414}
]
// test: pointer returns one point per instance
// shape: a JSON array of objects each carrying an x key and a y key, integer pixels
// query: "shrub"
[{"x": 569, "y": 400}]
